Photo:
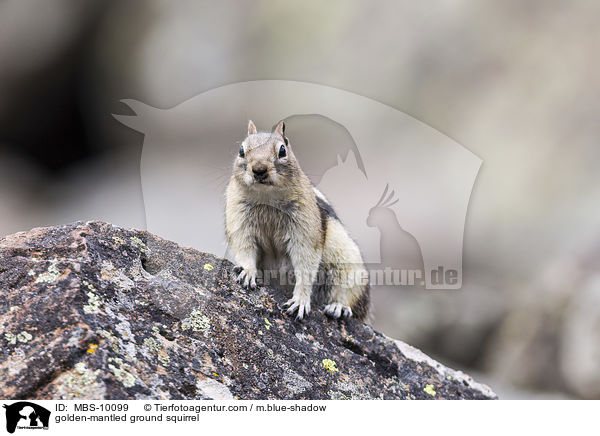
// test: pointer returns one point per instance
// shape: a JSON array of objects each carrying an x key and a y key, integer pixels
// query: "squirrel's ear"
[
  {"x": 251, "y": 128},
  {"x": 280, "y": 128}
]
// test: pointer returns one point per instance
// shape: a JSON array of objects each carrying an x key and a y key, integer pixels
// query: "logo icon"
[
  {"x": 26, "y": 415},
  {"x": 353, "y": 149}
]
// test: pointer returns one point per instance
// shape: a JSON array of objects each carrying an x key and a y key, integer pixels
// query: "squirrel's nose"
[{"x": 260, "y": 173}]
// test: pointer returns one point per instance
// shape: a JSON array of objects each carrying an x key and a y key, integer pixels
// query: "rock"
[{"x": 94, "y": 311}]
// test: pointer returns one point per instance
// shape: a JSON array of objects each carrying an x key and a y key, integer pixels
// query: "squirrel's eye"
[
  {"x": 242, "y": 151},
  {"x": 282, "y": 151}
]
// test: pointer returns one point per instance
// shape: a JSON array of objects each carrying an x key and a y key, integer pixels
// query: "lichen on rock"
[{"x": 112, "y": 313}]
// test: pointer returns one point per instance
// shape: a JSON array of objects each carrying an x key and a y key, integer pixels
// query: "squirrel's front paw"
[
  {"x": 301, "y": 304},
  {"x": 338, "y": 310},
  {"x": 247, "y": 279}
]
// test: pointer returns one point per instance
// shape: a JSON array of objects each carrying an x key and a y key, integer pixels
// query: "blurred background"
[{"x": 517, "y": 83}]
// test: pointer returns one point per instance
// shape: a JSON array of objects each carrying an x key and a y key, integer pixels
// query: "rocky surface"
[{"x": 94, "y": 311}]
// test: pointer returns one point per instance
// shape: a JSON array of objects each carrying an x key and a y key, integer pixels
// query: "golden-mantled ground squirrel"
[{"x": 276, "y": 218}]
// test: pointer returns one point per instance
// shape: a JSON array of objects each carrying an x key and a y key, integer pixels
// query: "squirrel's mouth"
[
  {"x": 262, "y": 178},
  {"x": 263, "y": 182}
]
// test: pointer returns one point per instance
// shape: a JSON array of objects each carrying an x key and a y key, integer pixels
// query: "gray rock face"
[{"x": 93, "y": 311}]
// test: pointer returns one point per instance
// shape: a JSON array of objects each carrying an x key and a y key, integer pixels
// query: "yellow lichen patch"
[
  {"x": 140, "y": 244},
  {"x": 430, "y": 390},
  {"x": 122, "y": 372},
  {"x": 268, "y": 324},
  {"x": 50, "y": 276},
  {"x": 197, "y": 322},
  {"x": 111, "y": 339},
  {"x": 93, "y": 305},
  {"x": 80, "y": 382},
  {"x": 163, "y": 357},
  {"x": 329, "y": 365},
  {"x": 11, "y": 338},
  {"x": 80, "y": 368},
  {"x": 92, "y": 348},
  {"x": 208, "y": 267},
  {"x": 24, "y": 337},
  {"x": 155, "y": 348}
]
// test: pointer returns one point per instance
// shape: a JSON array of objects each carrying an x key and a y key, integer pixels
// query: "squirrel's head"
[{"x": 265, "y": 160}]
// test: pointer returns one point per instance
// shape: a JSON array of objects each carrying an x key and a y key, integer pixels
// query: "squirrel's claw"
[
  {"x": 247, "y": 280},
  {"x": 302, "y": 305},
  {"x": 338, "y": 310}
]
